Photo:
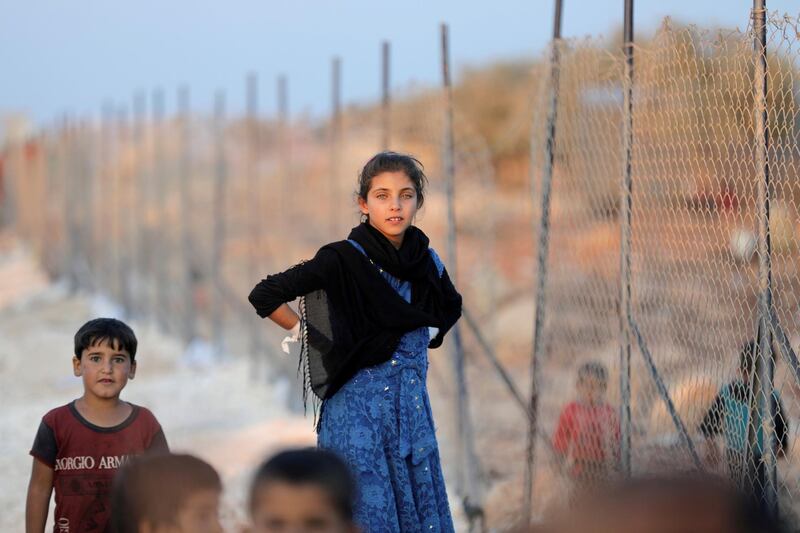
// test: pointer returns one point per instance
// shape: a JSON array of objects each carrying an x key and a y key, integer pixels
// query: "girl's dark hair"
[
  {"x": 393, "y": 162},
  {"x": 153, "y": 488},
  {"x": 115, "y": 332},
  {"x": 309, "y": 466}
]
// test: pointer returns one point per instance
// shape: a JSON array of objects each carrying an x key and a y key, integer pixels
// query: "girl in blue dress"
[{"x": 370, "y": 307}]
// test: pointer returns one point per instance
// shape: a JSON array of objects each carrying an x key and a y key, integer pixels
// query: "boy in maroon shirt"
[{"x": 79, "y": 446}]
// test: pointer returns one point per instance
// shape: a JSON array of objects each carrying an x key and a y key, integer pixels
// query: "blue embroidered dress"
[{"x": 381, "y": 423}]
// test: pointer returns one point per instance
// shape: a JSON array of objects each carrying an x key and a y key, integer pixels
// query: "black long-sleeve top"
[
  {"x": 308, "y": 276},
  {"x": 286, "y": 286}
]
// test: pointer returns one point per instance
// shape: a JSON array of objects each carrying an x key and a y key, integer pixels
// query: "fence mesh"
[{"x": 695, "y": 263}]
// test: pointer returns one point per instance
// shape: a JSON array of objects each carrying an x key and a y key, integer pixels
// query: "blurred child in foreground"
[
  {"x": 303, "y": 491},
  {"x": 684, "y": 503},
  {"x": 166, "y": 494}
]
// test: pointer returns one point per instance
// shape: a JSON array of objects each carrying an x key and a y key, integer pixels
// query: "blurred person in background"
[
  {"x": 729, "y": 416},
  {"x": 372, "y": 306},
  {"x": 303, "y": 491},
  {"x": 167, "y": 493},
  {"x": 587, "y": 436}
]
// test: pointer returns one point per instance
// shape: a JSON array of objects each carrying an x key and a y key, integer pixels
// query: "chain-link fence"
[{"x": 696, "y": 397}]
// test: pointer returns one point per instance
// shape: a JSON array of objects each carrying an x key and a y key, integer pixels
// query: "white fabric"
[{"x": 294, "y": 337}]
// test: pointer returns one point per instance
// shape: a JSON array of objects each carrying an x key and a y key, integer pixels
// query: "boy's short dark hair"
[
  {"x": 152, "y": 488},
  {"x": 747, "y": 356},
  {"x": 309, "y": 466},
  {"x": 594, "y": 369},
  {"x": 115, "y": 332}
]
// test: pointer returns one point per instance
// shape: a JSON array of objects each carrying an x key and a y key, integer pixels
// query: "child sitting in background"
[
  {"x": 166, "y": 494},
  {"x": 729, "y": 416},
  {"x": 303, "y": 491},
  {"x": 587, "y": 436}
]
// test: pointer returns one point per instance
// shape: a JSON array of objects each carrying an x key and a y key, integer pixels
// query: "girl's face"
[
  {"x": 391, "y": 205},
  {"x": 288, "y": 508}
]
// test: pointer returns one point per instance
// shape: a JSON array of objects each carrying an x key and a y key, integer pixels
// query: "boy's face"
[
  {"x": 199, "y": 514},
  {"x": 284, "y": 508},
  {"x": 105, "y": 369},
  {"x": 591, "y": 390}
]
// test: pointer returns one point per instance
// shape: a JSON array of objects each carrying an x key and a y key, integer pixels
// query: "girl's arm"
[
  {"x": 284, "y": 316},
  {"x": 39, "y": 490},
  {"x": 270, "y": 295}
]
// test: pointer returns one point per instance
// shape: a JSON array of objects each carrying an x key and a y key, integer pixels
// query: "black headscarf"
[{"x": 358, "y": 319}]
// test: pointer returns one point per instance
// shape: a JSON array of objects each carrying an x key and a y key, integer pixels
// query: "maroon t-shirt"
[{"x": 84, "y": 458}]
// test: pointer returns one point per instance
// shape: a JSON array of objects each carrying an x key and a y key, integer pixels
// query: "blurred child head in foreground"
[
  {"x": 166, "y": 493},
  {"x": 303, "y": 491},
  {"x": 686, "y": 503}
]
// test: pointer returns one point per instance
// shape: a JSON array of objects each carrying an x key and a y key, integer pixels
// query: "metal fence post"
[
  {"x": 254, "y": 214},
  {"x": 189, "y": 267},
  {"x": 219, "y": 214},
  {"x": 762, "y": 411},
  {"x": 160, "y": 232},
  {"x": 543, "y": 247},
  {"x": 625, "y": 246},
  {"x": 285, "y": 174},
  {"x": 123, "y": 218},
  {"x": 335, "y": 139},
  {"x": 386, "y": 118},
  {"x": 467, "y": 475}
]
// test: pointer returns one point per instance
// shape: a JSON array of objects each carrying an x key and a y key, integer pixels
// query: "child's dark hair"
[
  {"x": 593, "y": 369},
  {"x": 309, "y": 466},
  {"x": 152, "y": 488},
  {"x": 747, "y": 356},
  {"x": 393, "y": 162},
  {"x": 115, "y": 332}
]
